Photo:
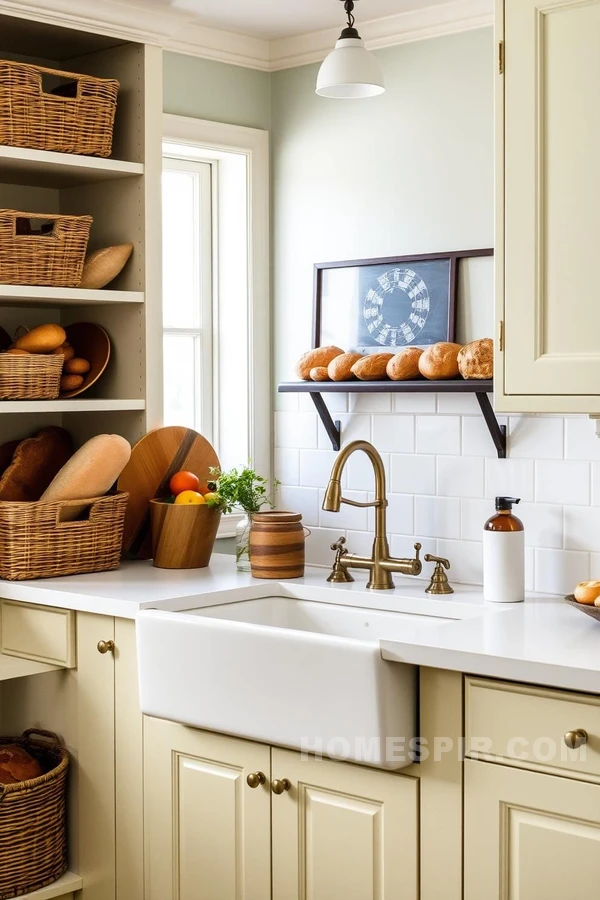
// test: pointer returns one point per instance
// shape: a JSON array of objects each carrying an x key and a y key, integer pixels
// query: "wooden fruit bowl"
[
  {"x": 593, "y": 611},
  {"x": 91, "y": 342}
]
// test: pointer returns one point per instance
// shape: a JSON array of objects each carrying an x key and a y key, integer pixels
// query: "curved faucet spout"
[{"x": 333, "y": 493}]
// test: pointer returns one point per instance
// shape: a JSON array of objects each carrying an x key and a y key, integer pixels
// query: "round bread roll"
[
  {"x": 319, "y": 373},
  {"x": 70, "y": 382},
  {"x": 340, "y": 368},
  {"x": 587, "y": 592},
  {"x": 372, "y": 368},
  {"x": 43, "y": 339},
  {"x": 76, "y": 366},
  {"x": 404, "y": 365},
  {"x": 476, "y": 360},
  {"x": 321, "y": 356},
  {"x": 440, "y": 361}
]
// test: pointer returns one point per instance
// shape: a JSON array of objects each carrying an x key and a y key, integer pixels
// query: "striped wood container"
[{"x": 277, "y": 545}]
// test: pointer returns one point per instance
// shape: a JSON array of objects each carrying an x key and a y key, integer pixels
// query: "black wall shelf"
[{"x": 482, "y": 389}]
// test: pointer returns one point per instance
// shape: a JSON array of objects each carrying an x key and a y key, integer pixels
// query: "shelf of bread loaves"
[{"x": 441, "y": 368}]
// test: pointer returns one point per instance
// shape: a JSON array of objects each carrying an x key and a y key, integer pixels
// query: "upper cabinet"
[{"x": 548, "y": 214}]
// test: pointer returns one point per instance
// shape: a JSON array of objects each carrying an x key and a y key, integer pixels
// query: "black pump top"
[{"x": 506, "y": 502}]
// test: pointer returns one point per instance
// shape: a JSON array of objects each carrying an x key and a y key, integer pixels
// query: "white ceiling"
[{"x": 274, "y": 19}]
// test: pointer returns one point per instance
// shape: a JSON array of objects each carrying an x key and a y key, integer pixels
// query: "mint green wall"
[{"x": 216, "y": 91}]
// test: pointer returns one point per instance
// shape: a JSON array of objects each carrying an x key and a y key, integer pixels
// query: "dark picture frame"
[{"x": 430, "y": 279}]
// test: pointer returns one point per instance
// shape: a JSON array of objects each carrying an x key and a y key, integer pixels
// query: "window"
[{"x": 216, "y": 298}]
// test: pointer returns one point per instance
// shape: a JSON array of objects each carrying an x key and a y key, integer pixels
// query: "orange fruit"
[
  {"x": 189, "y": 497},
  {"x": 213, "y": 499},
  {"x": 184, "y": 481}
]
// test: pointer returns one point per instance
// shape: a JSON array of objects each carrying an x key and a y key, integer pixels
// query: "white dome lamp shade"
[{"x": 350, "y": 72}]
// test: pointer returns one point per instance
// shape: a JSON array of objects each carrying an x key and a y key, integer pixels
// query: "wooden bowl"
[
  {"x": 183, "y": 536},
  {"x": 589, "y": 610},
  {"x": 90, "y": 342}
]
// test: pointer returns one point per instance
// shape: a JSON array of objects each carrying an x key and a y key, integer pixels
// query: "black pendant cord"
[{"x": 350, "y": 31}]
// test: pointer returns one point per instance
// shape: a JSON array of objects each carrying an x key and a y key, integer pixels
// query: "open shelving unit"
[
  {"x": 481, "y": 388},
  {"x": 30, "y": 295},
  {"x": 66, "y": 885}
]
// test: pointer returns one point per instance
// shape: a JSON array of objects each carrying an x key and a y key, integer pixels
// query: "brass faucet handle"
[
  {"x": 439, "y": 583},
  {"x": 339, "y": 544},
  {"x": 339, "y": 574},
  {"x": 429, "y": 557}
]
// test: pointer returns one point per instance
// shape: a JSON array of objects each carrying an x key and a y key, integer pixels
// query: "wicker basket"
[
  {"x": 33, "y": 377},
  {"x": 52, "y": 259},
  {"x": 33, "y": 838},
  {"x": 43, "y": 540},
  {"x": 29, "y": 117}
]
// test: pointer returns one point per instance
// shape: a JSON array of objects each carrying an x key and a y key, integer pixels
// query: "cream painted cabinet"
[
  {"x": 338, "y": 832},
  {"x": 529, "y": 836},
  {"x": 343, "y": 832},
  {"x": 547, "y": 201}
]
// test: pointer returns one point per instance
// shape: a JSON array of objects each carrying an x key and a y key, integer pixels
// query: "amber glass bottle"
[{"x": 504, "y": 554}]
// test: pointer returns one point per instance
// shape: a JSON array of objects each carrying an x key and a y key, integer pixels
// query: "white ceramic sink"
[{"x": 287, "y": 671}]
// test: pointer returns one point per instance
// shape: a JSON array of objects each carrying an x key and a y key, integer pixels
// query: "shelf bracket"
[
  {"x": 497, "y": 431},
  {"x": 333, "y": 429}
]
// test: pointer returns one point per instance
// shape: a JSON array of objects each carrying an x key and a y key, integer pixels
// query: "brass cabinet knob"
[
  {"x": 106, "y": 646},
  {"x": 255, "y": 779},
  {"x": 576, "y": 739},
  {"x": 278, "y": 786}
]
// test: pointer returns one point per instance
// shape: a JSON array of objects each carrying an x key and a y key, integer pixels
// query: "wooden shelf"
[
  {"x": 44, "y": 168},
  {"x": 29, "y": 295},
  {"x": 69, "y": 406},
  {"x": 66, "y": 885},
  {"x": 481, "y": 389}
]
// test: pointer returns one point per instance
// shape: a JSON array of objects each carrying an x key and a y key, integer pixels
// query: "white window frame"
[{"x": 215, "y": 137}]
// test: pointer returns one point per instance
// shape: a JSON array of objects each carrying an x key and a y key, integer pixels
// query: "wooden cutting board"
[{"x": 154, "y": 461}]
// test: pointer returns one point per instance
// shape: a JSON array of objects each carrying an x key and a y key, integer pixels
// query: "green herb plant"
[{"x": 242, "y": 489}]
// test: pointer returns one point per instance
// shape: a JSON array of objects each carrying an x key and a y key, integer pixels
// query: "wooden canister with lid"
[{"x": 277, "y": 545}]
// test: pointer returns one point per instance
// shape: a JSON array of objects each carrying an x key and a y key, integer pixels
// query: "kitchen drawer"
[
  {"x": 525, "y": 726},
  {"x": 41, "y": 633}
]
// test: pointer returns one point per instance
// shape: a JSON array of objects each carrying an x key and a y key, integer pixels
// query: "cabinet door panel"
[
  {"x": 529, "y": 836},
  {"x": 343, "y": 832},
  {"x": 207, "y": 831},
  {"x": 552, "y": 217}
]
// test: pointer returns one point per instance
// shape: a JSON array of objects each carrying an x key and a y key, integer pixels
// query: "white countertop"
[{"x": 543, "y": 640}]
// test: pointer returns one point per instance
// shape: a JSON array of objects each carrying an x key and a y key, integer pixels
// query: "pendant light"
[{"x": 350, "y": 72}]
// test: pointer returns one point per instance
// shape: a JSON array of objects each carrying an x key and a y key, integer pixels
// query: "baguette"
[
  {"x": 372, "y": 368},
  {"x": 43, "y": 339},
  {"x": 340, "y": 368}
]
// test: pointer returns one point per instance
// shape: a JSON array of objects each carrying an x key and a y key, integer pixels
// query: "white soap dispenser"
[{"x": 504, "y": 555}]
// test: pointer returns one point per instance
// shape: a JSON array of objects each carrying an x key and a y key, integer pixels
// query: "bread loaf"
[
  {"x": 7, "y": 451},
  {"x": 440, "y": 361},
  {"x": 476, "y": 360},
  {"x": 319, "y": 373},
  {"x": 70, "y": 383},
  {"x": 372, "y": 368},
  {"x": 340, "y": 368},
  {"x": 43, "y": 339},
  {"x": 321, "y": 356},
  {"x": 404, "y": 365},
  {"x": 34, "y": 464},
  {"x": 76, "y": 366},
  {"x": 16, "y": 765},
  {"x": 65, "y": 350},
  {"x": 101, "y": 266},
  {"x": 92, "y": 471}
]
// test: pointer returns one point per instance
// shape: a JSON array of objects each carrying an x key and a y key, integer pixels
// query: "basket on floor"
[
  {"x": 76, "y": 117},
  {"x": 32, "y": 377},
  {"x": 51, "y": 257},
  {"x": 33, "y": 832},
  {"x": 47, "y": 539}
]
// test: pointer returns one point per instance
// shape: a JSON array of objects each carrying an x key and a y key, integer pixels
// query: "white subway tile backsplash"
[
  {"x": 536, "y": 437},
  {"x": 458, "y": 404},
  {"x": 315, "y": 467},
  {"x": 510, "y": 478},
  {"x": 414, "y": 403},
  {"x": 558, "y": 571},
  {"x": 336, "y": 403},
  {"x": 582, "y": 528},
  {"x": 529, "y": 568},
  {"x": 476, "y": 438},
  {"x": 400, "y": 514},
  {"x": 348, "y": 516},
  {"x": 562, "y": 482},
  {"x": 360, "y": 474},
  {"x": 473, "y": 516},
  {"x": 581, "y": 440},
  {"x": 437, "y": 517},
  {"x": 466, "y": 560},
  {"x": 318, "y": 546},
  {"x": 301, "y": 500},
  {"x": 413, "y": 474},
  {"x": 296, "y": 430},
  {"x": 460, "y": 476},
  {"x": 438, "y": 434},
  {"x": 596, "y": 484},
  {"x": 370, "y": 403},
  {"x": 286, "y": 465},
  {"x": 543, "y": 524},
  {"x": 354, "y": 428},
  {"x": 403, "y": 547},
  {"x": 394, "y": 433}
]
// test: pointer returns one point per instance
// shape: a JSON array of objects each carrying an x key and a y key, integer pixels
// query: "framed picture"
[{"x": 378, "y": 305}]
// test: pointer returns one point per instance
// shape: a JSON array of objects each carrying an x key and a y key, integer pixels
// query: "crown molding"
[{"x": 182, "y": 33}]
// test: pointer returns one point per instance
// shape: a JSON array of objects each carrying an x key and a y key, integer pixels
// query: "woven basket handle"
[
  {"x": 53, "y": 739},
  {"x": 68, "y": 76}
]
